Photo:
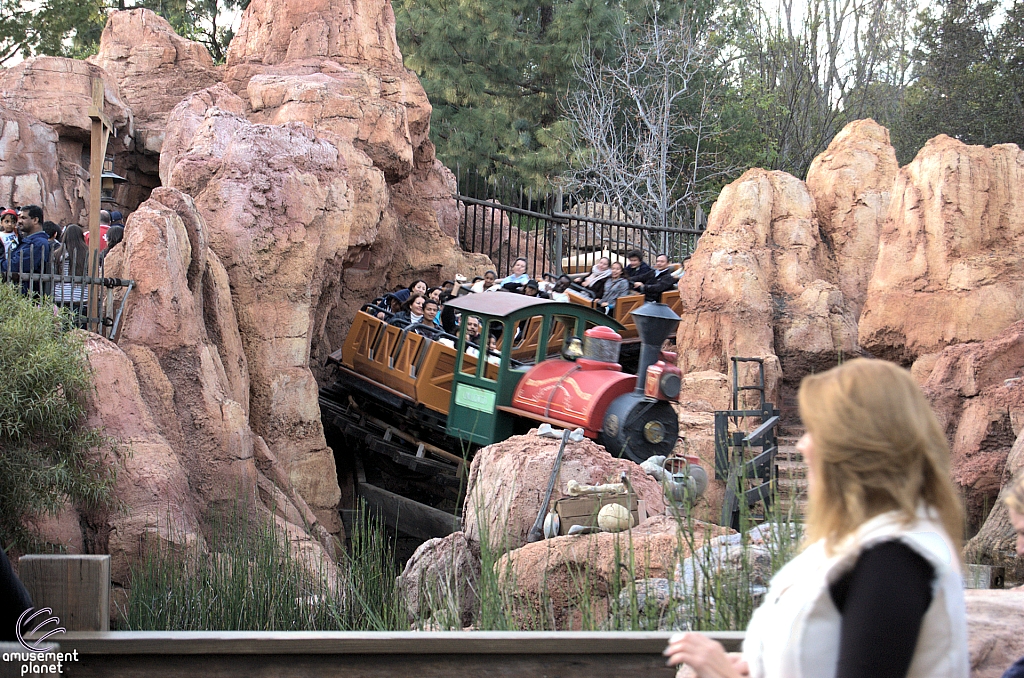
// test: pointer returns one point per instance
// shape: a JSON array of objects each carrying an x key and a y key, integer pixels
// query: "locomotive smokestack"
[{"x": 654, "y": 322}]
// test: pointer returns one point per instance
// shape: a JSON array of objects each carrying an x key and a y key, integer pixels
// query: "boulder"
[
  {"x": 154, "y": 68},
  {"x": 440, "y": 582},
  {"x": 949, "y": 267},
  {"x": 566, "y": 582},
  {"x": 851, "y": 183},
  {"x": 981, "y": 413},
  {"x": 761, "y": 283},
  {"x": 507, "y": 482},
  {"x": 994, "y": 621}
]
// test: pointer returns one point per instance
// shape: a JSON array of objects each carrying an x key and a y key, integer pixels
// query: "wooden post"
[
  {"x": 77, "y": 588},
  {"x": 101, "y": 126}
]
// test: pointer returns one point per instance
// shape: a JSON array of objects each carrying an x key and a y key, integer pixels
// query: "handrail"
[
  {"x": 626, "y": 224},
  {"x": 505, "y": 208}
]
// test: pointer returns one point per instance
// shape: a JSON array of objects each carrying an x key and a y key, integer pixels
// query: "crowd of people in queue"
[{"x": 32, "y": 246}]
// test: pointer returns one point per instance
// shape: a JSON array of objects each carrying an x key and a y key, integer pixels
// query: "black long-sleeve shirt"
[
  {"x": 883, "y": 600},
  {"x": 655, "y": 282}
]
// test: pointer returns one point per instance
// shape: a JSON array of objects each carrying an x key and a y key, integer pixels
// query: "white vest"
[{"x": 795, "y": 633}]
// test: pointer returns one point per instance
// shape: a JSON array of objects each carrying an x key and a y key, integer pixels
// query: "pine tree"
[
  {"x": 966, "y": 81},
  {"x": 494, "y": 70}
]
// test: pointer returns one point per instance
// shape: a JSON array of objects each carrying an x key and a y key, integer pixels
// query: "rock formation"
[
  {"x": 851, "y": 183},
  {"x": 283, "y": 209},
  {"x": 996, "y": 541},
  {"x": 994, "y": 620},
  {"x": 44, "y": 106},
  {"x": 440, "y": 582},
  {"x": 949, "y": 267},
  {"x": 762, "y": 284},
  {"x": 181, "y": 392},
  {"x": 981, "y": 411},
  {"x": 155, "y": 69},
  {"x": 507, "y": 481}
]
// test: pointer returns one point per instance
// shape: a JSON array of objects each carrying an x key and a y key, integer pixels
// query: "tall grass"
[{"x": 247, "y": 579}]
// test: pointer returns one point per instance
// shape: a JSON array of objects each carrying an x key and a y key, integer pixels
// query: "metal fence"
[
  {"x": 506, "y": 222},
  {"x": 94, "y": 302}
]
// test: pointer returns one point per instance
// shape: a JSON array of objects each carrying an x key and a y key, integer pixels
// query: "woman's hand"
[{"x": 705, "y": 656}]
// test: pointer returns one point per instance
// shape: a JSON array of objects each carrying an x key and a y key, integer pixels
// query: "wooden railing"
[{"x": 457, "y": 654}]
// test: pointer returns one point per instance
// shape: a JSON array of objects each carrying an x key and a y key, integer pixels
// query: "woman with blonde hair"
[{"x": 877, "y": 589}]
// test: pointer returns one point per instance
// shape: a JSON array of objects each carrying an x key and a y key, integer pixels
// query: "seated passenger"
[
  {"x": 595, "y": 282},
  {"x": 532, "y": 289},
  {"x": 417, "y": 287},
  {"x": 615, "y": 287},
  {"x": 411, "y": 313},
  {"x": 488, "y": 283},
  {"x": 637, "y": 266},
  {"x": 435, "y": 294},
  {"x": 547, "y": 283},
  {"x": 656, "y": 281},
  {"x": 430, "y": 313},
  {"x": 519, "y": 275},
  {"x": 473, "y": 329}
]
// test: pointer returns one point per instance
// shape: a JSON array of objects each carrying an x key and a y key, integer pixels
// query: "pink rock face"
[
  {"x": 58, "y": 92},
  {"x": 949, "y": 265},
  {"x": 334, "y": 65},
  {"x": 507, "y": 482},
  {"x": 151, "y": 479},
  {"x": 282, "y": 210},
  {"x": 154, "y": 68},
  {"x": 852, "y": 183},
  {"x": 761, "y": 284},
  {"x": 175, "y": 392},
  {"x": 29, "y": 160},
  {"x": 980, "y": 412},
  {"x": 345, "y": 104},
  {"x": 275, "y": 31}
]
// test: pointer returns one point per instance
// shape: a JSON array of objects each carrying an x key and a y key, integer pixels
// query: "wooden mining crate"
[{"x": 583, "y": 510}]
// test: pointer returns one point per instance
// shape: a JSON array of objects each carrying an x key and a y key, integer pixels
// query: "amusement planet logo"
[{"x": 37, "y": 660}]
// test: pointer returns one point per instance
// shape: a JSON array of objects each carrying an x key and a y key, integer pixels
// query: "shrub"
[{"x": 47, "y": 455}]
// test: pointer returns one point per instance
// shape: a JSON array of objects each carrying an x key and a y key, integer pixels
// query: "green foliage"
[
  {"x": 968, "y": 80},
  {"x": 48, "y": 456},
  {"x": 72, "y": 28},
  {"x": 68, "y": 28},
  {"x": 494, "y": 69}
]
